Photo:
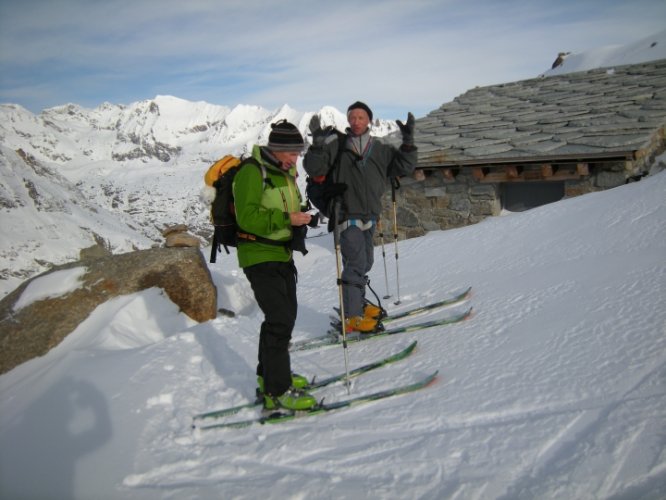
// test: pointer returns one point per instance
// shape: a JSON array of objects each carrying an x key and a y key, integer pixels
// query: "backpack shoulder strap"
[
  {"x": 342, "y": 141},
  {"x": 252, "y": 161}
]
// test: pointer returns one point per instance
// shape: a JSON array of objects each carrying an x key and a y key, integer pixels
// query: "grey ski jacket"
[{"x": 367, "y": 177}]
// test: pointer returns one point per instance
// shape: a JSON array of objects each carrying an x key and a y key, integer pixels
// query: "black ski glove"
[
  {"x": 318, "y": 135},
  {"x": 407, "y": 130},
  {"x": 298, "y": 234},
  {"x": 314, "y": 220}
]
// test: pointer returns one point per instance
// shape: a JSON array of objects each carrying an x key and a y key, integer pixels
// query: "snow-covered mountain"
[{"x": 72, "y": 176}]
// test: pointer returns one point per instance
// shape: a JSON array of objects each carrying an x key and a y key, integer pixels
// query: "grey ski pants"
[{"x": 357, "y": 259}]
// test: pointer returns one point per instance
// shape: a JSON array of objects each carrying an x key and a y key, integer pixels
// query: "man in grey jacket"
[{"x": 358, "y": 167}]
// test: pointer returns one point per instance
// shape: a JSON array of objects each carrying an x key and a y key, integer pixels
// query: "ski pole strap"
[
  {"x": 214, "y": 248},
  {"x": 379, "y": 302},
  {"x": 395, "y": 185}
]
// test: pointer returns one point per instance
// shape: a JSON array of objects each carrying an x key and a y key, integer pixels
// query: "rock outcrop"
[{"x": 34, "y": 329}]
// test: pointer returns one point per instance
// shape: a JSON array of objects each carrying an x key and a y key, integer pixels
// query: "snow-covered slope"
[
  {"x": 555, "y": 388},
  {"x": 650, "y": 48}
]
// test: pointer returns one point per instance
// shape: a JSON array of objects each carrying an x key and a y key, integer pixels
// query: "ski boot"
[
  {"x": 372, "y": 311},
  {"x": 362, "y": 324},
  {"x": 293, "y": 400},
  {"x": 297, "y": 382}
]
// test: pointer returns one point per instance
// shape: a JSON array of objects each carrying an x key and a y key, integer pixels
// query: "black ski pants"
[{"x": 274, "y": 287}]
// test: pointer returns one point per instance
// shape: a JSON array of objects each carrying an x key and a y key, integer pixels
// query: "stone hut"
[{"x": 519, "y": 145}]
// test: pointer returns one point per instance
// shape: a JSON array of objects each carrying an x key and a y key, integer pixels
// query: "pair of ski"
[
  {"x": 199, "y": 421},
  {"x": 333, "y": 337}
]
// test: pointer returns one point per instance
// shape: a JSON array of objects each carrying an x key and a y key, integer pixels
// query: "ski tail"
[{"x": 461, "y": 297}]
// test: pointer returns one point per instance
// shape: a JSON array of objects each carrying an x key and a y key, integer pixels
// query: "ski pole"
[
  {"x": 395, "y": 185},
  {"x": 381, "y": 237},
  {"x": 338, "y": 265}
]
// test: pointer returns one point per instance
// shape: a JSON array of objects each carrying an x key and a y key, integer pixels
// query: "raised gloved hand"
[
  {"x": 315, "y": 124},
  {"x": 407, "y": 130},
  {"x": 318, "y": 134}
]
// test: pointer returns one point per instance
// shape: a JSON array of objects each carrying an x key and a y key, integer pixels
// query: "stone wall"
[
  {"x": 430, "y": 201},
  {"x": 435, "y": 203}
]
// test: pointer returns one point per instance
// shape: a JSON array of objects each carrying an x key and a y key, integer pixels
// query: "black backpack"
[
  {"x": 221, "y": 176},
  {"x": 315, "y": 191}
]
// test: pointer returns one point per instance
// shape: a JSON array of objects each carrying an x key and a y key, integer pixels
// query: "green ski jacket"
[{"x": 263, "y": 207}]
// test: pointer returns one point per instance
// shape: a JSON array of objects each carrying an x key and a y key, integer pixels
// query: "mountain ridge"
[
  {"x": 78, "y": 173},
  {"x": 140, "y": 165}
]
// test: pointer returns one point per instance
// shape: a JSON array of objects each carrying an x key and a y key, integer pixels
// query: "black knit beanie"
[
  {"x": 360, "y": 105},
  {"x": 285, "y": 136}
]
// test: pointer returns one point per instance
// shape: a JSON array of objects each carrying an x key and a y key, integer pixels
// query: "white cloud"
[{"x": 397, "y": 55}]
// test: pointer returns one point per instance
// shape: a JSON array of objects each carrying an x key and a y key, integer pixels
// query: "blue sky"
[{"x": 397, "y": 56}]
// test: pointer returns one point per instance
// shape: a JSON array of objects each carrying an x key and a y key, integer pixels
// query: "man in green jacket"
[
  {"x": 269, "y": 205},
  {"x": 359, "y": 167}
]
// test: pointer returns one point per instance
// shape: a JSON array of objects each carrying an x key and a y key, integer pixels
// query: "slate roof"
[{"x": 598, "y": 114}]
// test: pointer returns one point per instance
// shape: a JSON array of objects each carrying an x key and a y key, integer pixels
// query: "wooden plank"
[
  {"x": 419, "y": 175},
  {"x": 546, "y": 170},
  {"x": 478, "y": 173},
  {"x": 512, "y": 172},
  {"x": 564, "y": 175},
  {"x": 447, "y": 173},
  {"x": 496, "y": 177},
  {"x": 583, "y": 168}
]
